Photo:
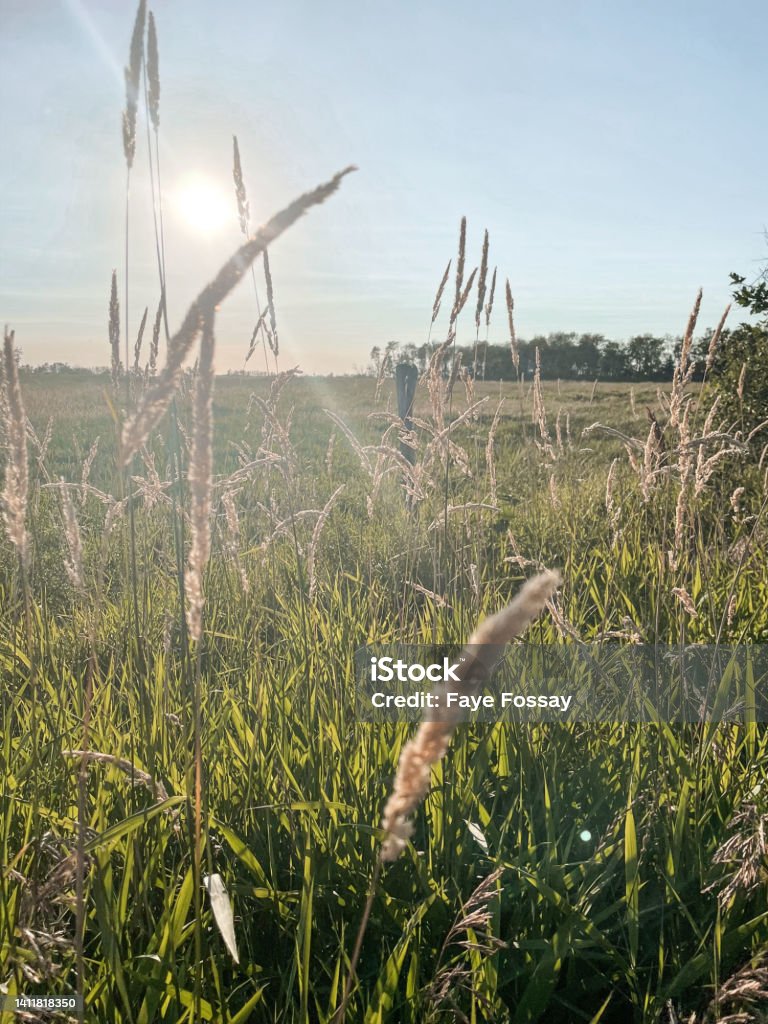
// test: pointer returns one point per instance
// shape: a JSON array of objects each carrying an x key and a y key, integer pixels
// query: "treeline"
[{"x": 563, "y": 355}]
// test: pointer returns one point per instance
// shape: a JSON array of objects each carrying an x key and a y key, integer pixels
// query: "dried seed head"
[
  {"x": 741, "y": 382},
  {"x": 433, "y": 737},
  {"x": 254, "y": 336},
  {"x": 153, "y": 73},
  {"x": 482, "y": 281},
  {"x": 273, "y": 342},
  {"x": 132, "y": 81},
  {"x": 243, "y": 209},
  {"x": 685, "y": 600},
  {"x": 16, "y": 488},
  {"x": 465, "y": 294},
  {"x": 200, "y": 481},
  {"x": 460, "y": 267},
  {"x": 512, "y": 335},
  {"x": 139, "y": 337},
  {"x": 440, "y": 290},
  {"x": 489, "y": 306},
  {"x": 714, "y": 340},
  {"x": 114, "y": 331},
  {"x": 154, "y": 347},
  {"x": 74, "y": 563}
]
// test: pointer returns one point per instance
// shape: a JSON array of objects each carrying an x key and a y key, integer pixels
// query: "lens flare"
[{"x": 203, "y": 205}]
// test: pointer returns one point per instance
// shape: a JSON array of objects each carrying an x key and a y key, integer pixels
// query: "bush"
[{"x": 740, "y": 369}]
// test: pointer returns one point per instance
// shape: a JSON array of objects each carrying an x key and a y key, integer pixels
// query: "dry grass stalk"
[
  {"x": 433, "y": 737},
  {"x": 554, "y": 495},
  {"x": 742, "y": 998},
  {"x": 539, "y": 413},
  {"x": 452, "y": 378},
  {"x": 16, "y": 488},
  {"x": 158, "y": 396},
  {"x": 489, "y": 304},
  {"x": 74, "y": 562},
  {"x": 41, "y": 446},
  {"x": 243, "y": 207},
  {"x": 440, "y": 290},
  {"x": 684, "y": 368},
  {"x": 151, "y": 488},
  {"x": 358, "y": 449},
  {"x": 460, "y": 268},
  {"x": 685, "y": 468},
  {"x": 610, "y": 505},
  {"x": 735, "y": 500},
  {"x": 200, "y": 482},
  {"x": 465, "y": 293},
  {"x": 470, "y": 931},
  {"x": 132, "y": 81},
  {"x": 316, "y": 532},
  {"x": 384, "y": 365},
  {"x": 139, "y": 338},
  {"x": 434, "y": 378},
  {"x": 272, "y": 335},
  {"x": 685, "y": 365},
  {"x": 137, "y": 776},
  {"x": 232, "y": 542},
  {"x": 284, "y": 527},
  {"x": 276, "y": 444},
  {"x": 114, "y": 332},
  {"x": 741, "y": 381},
  {"x": 481, "y": 283},
  {"x": 155, "y": 344},
  {"x": 686, "y": 601},
  {"x": 512, "y": 335},
  {"x": 87, "y": 465},
  {"x": 651, "y": 454},
  {"x": 715, "y": 339},
  {"x": 490, "y": 451},
  {"x": 153, "y": 74},
  {"x": 746, "y": 852},
  {"x": 558, "y": 432},
  {"x": 254, "y": 337},
  {"x": 439, "y": 600},
  {"x": 468, "y": 380}
]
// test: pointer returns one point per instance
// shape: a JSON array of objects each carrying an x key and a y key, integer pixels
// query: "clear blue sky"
[{"x": 616, "y": 152}]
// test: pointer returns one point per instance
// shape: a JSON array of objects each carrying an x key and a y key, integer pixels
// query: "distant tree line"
[{"x": 564, "y": 355}]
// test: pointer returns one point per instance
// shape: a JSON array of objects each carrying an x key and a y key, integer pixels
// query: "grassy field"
[
  {"x": 575, "y": 872},
  {"x": 190, "y": 808}
]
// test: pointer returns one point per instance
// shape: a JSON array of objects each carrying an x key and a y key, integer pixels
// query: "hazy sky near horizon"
[{"x": 616, "y": 152}]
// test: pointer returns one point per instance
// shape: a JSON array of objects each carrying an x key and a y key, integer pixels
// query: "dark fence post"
[{"x": 406, "y": 378}]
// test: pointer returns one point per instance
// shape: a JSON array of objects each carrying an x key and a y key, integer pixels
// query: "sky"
[{"x": 616, "y": 152}]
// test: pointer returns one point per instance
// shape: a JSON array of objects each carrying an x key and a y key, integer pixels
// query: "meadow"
[
  {"x": 194, "y": 823},
  {"x": 498, "y": 910}
]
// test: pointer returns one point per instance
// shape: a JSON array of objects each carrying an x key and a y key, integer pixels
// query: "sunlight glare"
[{"x": 203, "y": 205}]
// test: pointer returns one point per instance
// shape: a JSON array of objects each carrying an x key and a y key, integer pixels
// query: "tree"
[
  {"x": 588, "y": 355},
  {"x": 614, "y": 361},
  {"x": 645, "y": 355},
  {"x": 740, "y": 369}
]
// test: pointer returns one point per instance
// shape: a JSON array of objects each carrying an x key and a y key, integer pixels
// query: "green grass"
[{"x": 609, "y": 929}]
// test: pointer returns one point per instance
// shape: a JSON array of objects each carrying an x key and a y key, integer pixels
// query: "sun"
[{"x": 203, "y": 205}]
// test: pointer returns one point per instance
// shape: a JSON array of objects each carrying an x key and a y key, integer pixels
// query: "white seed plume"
[{"x": 16, "y": 488}]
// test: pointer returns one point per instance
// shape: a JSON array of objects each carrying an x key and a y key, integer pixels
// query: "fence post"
[{"x": 406, "y": 378}]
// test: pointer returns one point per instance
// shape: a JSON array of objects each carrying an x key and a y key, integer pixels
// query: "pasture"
[{"x": 579, "y": 872}]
